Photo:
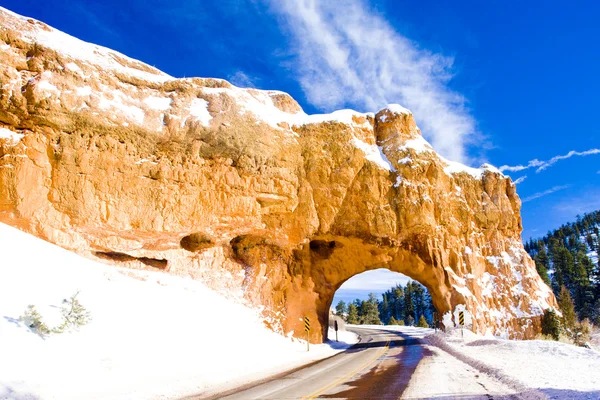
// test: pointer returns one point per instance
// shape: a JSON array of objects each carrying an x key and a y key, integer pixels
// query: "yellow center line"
[{"x": 349, "y": 375}]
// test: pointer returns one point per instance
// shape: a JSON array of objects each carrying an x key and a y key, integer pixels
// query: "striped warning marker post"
[{"x": 307, "y": 329}]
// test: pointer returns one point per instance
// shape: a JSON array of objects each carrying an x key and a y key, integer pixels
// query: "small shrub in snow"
[
  {"x": 33, "y": 320},
  {"x": 581, "y": 333},
  {"x": 423, "y": 322},
  {"x": 73, "y": 315}
]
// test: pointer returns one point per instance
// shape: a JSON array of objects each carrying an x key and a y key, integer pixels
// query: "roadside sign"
[
  {"x": 307, "y": 329},
  {"x": 335, "y": 326},
  {"x": 461, "y": 322}
]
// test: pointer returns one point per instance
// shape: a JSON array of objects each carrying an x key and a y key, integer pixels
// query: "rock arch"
[{"x": 250, "y": 194}]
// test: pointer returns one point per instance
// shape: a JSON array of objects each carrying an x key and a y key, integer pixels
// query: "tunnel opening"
[{"x": 382, "y": 297}]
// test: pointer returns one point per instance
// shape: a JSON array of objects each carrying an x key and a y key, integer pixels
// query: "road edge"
[
  {"x": 528, "y": 393},
  {"x": 257, "y": 382}
]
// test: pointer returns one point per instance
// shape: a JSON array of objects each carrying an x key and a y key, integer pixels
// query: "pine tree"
[
  {"x": 565, "y": 302},
  {"x": 551, "y": 324},
  {"x": 409, "y": 308},
  {"x": 410, "y": 321},
  {"x": 595, "y": 315},
  {"x": 562, "y": 261},
  {"x": 419, "y": 299},
  {"x": 542, "y": 263},
  {"x": 398, "y": 306},
  {"x": 340, "y": 308},
  {"x": 422, "y": 322},
  {"x": 352, "y": 317},
  {"x": 543, "y": 273},
  {"x": 384, "y": 310},
  {"x": 371, "y": 311},
  {"x": 393, "y": 321}
]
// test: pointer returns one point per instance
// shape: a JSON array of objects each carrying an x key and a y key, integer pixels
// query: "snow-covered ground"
[
  {"x": 152, "y": 335},
  {"x": 538, "y": 368}
]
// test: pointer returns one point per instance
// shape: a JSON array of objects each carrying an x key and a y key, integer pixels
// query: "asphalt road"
[{"x": 385, "y": 364}]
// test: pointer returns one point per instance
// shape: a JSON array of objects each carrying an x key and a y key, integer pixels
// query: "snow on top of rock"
[
  {"x": 12, "y": 137},
  {"x": 131, "y": 112},
  {"x": 343, "y": 116},
  {"x": 83, "y": 91},
  {"x": 491, "y": 168},
  {"x": 158, "y": 103},
  {"x": 454, "y": 167},
  {"x": 260, "y": 104},
  {"x": 463, "y": 290},
  {"x": 199, "y": 110},
  {"x": 397, "y": 109},
  {"x": 374, "y": 154},
  {"x": 70, "y": 46},
  {"x": 419, "y": 145},
  {"x": 73, "y": 67}
]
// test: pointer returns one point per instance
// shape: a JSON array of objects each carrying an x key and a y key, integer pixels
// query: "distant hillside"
[{"x": 569, "y": 256}]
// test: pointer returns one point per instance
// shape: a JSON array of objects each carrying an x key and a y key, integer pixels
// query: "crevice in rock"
[
  {"x": 122, "y": 257},
  {"x": 324, "y": 248},
  {"x": 195, "y": 242}
]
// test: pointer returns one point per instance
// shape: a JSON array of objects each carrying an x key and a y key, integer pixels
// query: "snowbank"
[
  {"x": 537, "y": 368},
  {"x": 151, "y": 336}
]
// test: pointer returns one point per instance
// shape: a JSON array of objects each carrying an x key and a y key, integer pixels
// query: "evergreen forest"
[
  {"x": 567, "y": 260},
  {"x": 400, "y": 305}
]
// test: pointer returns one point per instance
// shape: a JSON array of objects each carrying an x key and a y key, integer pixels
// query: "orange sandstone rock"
[{"x": 113, "y": 159}]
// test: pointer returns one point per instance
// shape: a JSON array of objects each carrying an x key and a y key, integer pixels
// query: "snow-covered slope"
[
  {"x": 151, "y": 336},
  {"x": 540, "y": 369}
]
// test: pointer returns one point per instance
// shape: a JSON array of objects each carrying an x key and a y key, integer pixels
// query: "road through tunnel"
[
  {"x": 325, "y": 264},
  {"x": 383, "y": 297}
]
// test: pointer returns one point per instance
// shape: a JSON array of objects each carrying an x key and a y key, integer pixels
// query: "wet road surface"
[{"x": 385, "y": 364}]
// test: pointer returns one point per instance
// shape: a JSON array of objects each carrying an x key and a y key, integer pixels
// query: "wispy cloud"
[
  {"x": 542, "y": 165},
  {"x": 577, "y": 205},
  {"x": 544, "y": 193},
  {"x": 351, "y": 56},
  {"x": 519, "y": 180},
  {"x": 241, "y": 79}
]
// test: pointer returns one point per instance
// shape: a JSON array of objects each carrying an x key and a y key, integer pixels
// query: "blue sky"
[{"x": 505, "y": 82}]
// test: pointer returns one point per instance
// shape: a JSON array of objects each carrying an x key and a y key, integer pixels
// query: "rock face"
[{"x": 106, "y": 156}]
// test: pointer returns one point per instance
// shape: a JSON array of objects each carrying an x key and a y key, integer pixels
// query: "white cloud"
[
  {"x": 379, "y": 279},
  {"x": 544, "y": 193},
  {"x": 347, "y": 55},
  {"x": 542, "y": 165},
  {"x": 520, "y": 180},
  {"x": 242, "y": 80}
]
